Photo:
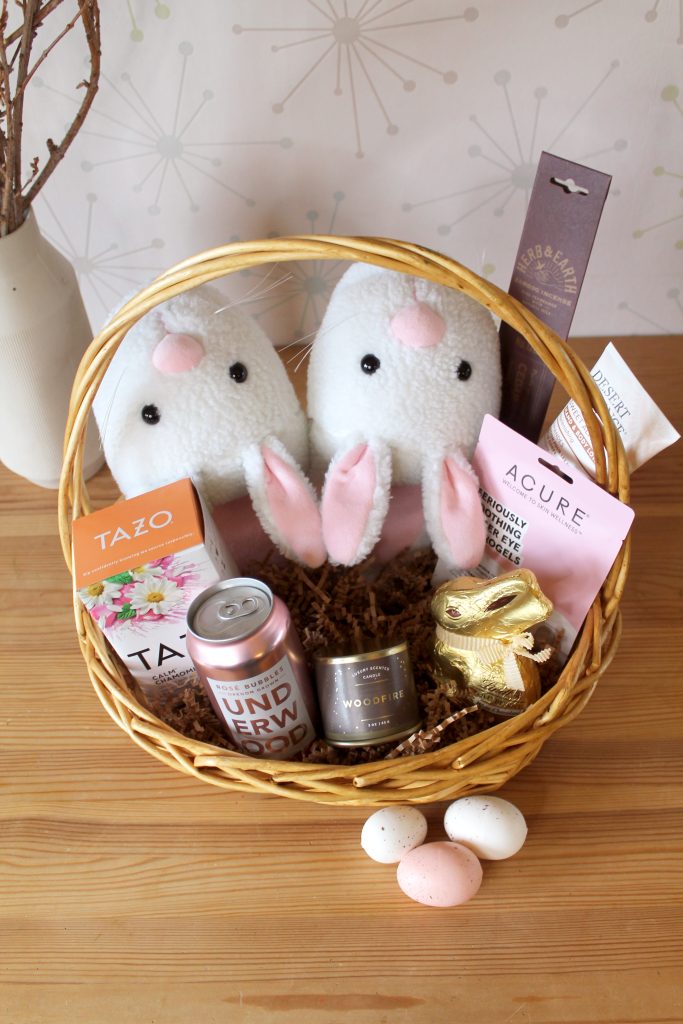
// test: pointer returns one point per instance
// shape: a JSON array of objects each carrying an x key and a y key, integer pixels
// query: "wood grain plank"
[
  {"x": 551, "y": 998},
  {"x": 131, "y": 892}
]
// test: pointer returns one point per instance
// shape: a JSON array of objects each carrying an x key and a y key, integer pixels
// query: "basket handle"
[{"x": 405, "y": 257}]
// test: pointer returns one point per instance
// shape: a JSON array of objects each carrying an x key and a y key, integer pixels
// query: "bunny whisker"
[
  {"x": 252, "y": 291},
  {"x": 302, "y": 360},
  {"x": 311, "y": 334},
  {"x": 339, "y": 323},
  {"x": 296, "y": 341},
  {"x": 259, "y": 290},
  {"x": 299, "y": 340},
  {"x": 104, "y": 424},
  {"x": 255, "y": 294}
]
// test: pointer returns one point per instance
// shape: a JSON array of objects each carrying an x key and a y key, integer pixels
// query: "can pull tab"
[{"x": 237, "y": 609}]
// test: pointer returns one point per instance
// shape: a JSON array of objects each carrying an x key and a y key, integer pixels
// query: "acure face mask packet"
[{"x": 565, "y": 528}]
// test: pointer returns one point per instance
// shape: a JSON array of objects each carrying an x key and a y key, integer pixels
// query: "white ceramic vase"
[{"x": 44, "y": 331}]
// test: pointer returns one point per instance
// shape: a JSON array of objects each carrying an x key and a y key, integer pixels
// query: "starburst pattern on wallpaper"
[
  {"x": 161, "y": 143},
  {"x": 674, "y": 297},
  {"x": 105, "y": 271},
  {"x": 650, "y": 14},
  {"x": 670, "y": 95},
  {"x": 352, "y": 50},
  {"x": 294, "y": 296},
  {"x": 514, "y": 157},
  {"x": 161, "y": 10}
]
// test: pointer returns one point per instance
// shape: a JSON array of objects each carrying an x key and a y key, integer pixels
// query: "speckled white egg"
[
  {"x": 390, "y": 833},
  {"x": 491, "y": 827},
  {"x": 440, "y": 874}
]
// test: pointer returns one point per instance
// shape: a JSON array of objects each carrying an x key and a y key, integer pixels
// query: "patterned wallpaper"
[{"x": 419, "y": 119}]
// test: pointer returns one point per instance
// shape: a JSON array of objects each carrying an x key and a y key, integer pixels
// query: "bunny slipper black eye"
[
  {"x": 369, "y": 364},
  {"x": 238, "y": 372},
  {"x": 150, "y": 414},
  {"x": 464, "y": 371}
]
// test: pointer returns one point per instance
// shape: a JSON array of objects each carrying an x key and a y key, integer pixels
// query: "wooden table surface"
[{"x": 133, "y": 893}]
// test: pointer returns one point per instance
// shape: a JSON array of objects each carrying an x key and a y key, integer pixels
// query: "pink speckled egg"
[{"x": 440, "y": 874}]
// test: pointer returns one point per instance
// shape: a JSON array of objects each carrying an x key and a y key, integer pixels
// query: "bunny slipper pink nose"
[
  {"x": 418, "y": 326},
  {"x": 177, "y": 353}
]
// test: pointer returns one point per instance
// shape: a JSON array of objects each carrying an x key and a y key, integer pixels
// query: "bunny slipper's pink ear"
[
  {"x": 355, "y": 501},
  {"x": 453, "y": 513},
  {"x": 284, "y": 502}
]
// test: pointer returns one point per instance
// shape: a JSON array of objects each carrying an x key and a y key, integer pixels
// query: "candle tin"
[
  {"x": 247, "y": 654},
  {"x": 367, "y": 695}
]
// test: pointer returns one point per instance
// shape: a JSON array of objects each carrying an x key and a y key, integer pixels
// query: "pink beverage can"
[{"x": 249, "y": 658}]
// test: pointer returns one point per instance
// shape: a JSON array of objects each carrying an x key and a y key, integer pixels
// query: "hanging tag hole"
[
  {"x": 570, "y": 186},
  {"x": 556, "y": 470}
]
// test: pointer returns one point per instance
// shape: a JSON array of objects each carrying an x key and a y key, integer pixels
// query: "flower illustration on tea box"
[
  {"x": 157, "y": 590},
  {"x": 102, "y": 594},
  {"x": 147, "y": 572},
  {"x": 155, "y": 595}
]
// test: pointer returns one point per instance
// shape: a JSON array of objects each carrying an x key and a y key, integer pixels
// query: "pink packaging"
[{"x": 566, "y": 529}]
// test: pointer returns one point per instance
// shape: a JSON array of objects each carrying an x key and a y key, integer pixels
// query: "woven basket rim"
[{"x": 478, "y": 763}]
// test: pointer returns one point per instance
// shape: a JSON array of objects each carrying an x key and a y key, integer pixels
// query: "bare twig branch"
[
  {"x": 30, "y": 8},
  {"x": 90, "y": 15},
  {"x": 16, "y": 73},
  {"x": 41, "y": 15},
  {"x": 6, "y": 199},
  {"x": 46, "y": 53}
]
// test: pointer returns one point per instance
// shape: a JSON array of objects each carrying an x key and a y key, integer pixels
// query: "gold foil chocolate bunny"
[{"x": 482, "y": 650}]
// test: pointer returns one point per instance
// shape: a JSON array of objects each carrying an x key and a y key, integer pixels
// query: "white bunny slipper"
[
  {"x": 193, "y": 389},
  {"x": 401, "y": 374}
]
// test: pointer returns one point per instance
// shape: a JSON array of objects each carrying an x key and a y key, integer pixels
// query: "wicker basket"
[{"x": 480, "y": 763}]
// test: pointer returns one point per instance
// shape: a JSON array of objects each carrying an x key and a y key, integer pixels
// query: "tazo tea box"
[
  {"x": 564, "y": 528},
  {"x": 137, "y": 566}
]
